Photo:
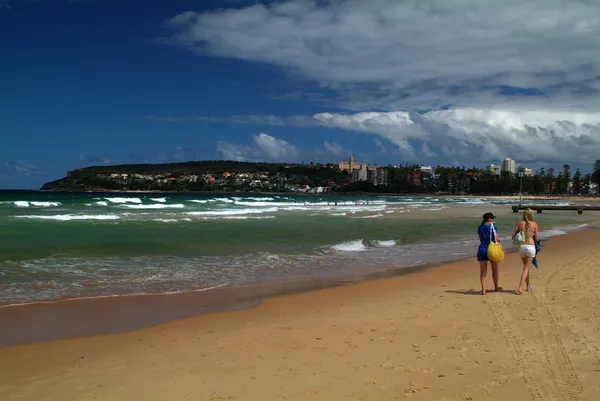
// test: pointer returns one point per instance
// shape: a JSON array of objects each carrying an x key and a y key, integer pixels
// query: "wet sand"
[{"x": 424, "y": 336}]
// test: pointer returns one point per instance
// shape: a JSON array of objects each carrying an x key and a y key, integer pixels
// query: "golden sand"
[{"x": 425, "y": 336}]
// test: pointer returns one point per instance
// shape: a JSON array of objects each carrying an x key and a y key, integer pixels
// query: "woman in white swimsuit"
[{"x": 530, "y": 231}]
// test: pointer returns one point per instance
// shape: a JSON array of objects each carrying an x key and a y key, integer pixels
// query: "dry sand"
[{"x": 425, "y": 336}]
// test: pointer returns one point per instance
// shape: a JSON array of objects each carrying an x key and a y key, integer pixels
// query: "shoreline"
[
  {"x": 139, "y": 311},
  {"x": 421, "y": 336}
]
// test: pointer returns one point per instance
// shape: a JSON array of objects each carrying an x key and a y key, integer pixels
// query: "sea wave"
[
  {"x": 562, "y": 230},
  {"x": 69, "y": 217},
  {"x": 161, "y": 200},
  {"x": 350, "y": 246},
  {"x": 156, "y": 206},
  {"x": 21, "y": 203},
  {"x": 124, "y": 200},
  {"x": 44, "y": 204},
  {"x": 232, "y": 212},
  {"x": 385, "y": 243}
]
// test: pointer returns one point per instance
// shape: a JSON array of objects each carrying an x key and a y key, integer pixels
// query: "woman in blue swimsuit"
[{"x": 487, "y": 232}]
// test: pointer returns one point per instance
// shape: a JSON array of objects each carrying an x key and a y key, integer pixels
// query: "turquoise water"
[{"x": 55, "y": 245}]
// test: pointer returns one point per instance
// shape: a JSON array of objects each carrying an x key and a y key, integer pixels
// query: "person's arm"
[
  {"x": 537, "y": 232},
  {"x": 517, "y": 227}
]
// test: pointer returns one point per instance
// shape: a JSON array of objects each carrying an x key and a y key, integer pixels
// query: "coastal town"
[{"x": 506, "y": 177}]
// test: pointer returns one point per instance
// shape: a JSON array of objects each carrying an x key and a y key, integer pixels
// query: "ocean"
[{"x": 79, "y": 245}]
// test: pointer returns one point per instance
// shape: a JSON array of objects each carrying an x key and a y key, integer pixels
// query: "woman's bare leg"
[
  {"x": 483, "y": 275},
  {"x": 495, "y": 273},
  {"x": 525, "y": 273},
  {"x": 527, "y": 282}
]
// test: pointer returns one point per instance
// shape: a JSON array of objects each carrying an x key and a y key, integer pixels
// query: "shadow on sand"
[{"x": 476, "y": 292}]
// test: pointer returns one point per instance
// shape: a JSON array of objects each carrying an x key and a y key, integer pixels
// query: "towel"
[{"x": 537, "y": 249}]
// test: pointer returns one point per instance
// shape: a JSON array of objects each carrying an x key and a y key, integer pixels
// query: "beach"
[{"x": 422, "y": 336}]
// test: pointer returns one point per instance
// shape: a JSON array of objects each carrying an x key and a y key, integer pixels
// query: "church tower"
[{"x": 351, "y": 163}]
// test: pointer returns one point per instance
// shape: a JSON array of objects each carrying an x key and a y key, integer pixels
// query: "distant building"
[
  {"x": 428, "y": 170},
  {"x": 527, "y": 172},
  {"x": 372, "y": 175},
  {"x": 509, "y": 165},
  {"x": 351, "y": 165},
  {"x": 360, "y": 175},
  {"x": 415, "y": 177},
  {"x": 493, "y": 169},
  {"x": 382, "y": 176}
]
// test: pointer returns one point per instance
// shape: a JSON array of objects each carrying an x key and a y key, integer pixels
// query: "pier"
[{"x": 541, "y": 208}]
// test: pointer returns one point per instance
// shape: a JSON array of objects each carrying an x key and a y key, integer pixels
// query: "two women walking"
[{"x": 525, "y": 234}]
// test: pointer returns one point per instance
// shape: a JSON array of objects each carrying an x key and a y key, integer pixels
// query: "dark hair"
[{"x": 487, "y": 216}]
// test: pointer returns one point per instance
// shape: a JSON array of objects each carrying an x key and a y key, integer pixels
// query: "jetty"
[{"x": 541, "y": 208}]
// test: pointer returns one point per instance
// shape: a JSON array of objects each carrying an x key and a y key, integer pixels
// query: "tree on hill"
[{"x": 596, "y": 173}]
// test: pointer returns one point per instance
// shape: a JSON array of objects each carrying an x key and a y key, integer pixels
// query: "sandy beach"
[{"x": 424, "y": 336}]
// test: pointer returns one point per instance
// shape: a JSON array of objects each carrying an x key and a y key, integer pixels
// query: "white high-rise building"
[{"x": 509, "y": 164}]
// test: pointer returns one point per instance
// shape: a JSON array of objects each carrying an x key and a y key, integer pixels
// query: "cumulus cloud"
[
  {"x": 473, "y": 135},
  {"x": 415, "y": 55},
  {"x": 264, "y": 147}
]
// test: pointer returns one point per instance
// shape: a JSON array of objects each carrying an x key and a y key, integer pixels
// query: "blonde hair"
[{"x": 528, "y": 217}]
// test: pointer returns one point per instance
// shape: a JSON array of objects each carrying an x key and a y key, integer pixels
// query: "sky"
[{"x": 442, "y": 82}]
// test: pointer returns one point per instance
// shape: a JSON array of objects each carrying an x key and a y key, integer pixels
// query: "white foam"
[
  {"x": 124, "y": 200},
  {"x": 266, "y": 198},
  {"x": 44, "y": 204},
  {"x": 101, "y": 203},
  {"x": 21, "y": 203},
  {"x": 232, "y": 212},
  {"x": 350, "y": 246},
  {"x": 338, "y": 214},
  {"x": 69, "y": 217},
  {"x": 156, "y": 206},
  {"x": 562, "y": 230},
  {"x": 166, "y": 220},
  {"x": 199, "y": 201},
  {"x": 161, "y": 200},
  {"x": 386, "y": 243},
  {"x": 552, "y": 233}
]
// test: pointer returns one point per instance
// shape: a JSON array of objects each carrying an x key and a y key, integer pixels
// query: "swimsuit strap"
[{"x": 492, "y": 232}]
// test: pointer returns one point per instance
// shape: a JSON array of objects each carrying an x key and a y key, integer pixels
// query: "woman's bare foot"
[
  {"x": 483, "y": 292},
  {"x": 497, "y": 289}
]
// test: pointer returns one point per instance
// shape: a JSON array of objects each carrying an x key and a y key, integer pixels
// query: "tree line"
[{"x": 400, "y": 179}]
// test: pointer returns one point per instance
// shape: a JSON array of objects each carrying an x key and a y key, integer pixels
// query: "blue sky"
[{"x": 92, "y": 82}]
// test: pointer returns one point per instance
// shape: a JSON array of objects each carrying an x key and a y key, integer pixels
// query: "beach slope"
[{"x": 425, "y": 336}]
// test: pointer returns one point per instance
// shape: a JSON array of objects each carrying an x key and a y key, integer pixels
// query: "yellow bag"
[{"x": 495, "y": 252}]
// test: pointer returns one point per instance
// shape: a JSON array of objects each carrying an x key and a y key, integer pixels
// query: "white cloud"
[
  {"x": 470, "y": 135},
  {"x": 335, "y": 149},
  {"x": 265, "y": 147},
  {"x": 477, "y": 135},
  {"x": 411, "y": 55}
]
